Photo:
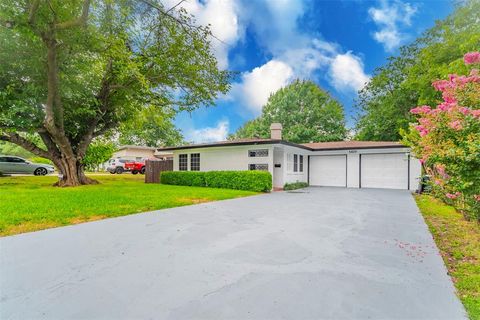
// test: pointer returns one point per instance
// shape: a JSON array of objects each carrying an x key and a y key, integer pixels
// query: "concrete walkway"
[{"x": 320, "y": 253}]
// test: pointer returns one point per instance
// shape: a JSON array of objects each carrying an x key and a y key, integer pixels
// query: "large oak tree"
[{"x": 73, "y": 70}]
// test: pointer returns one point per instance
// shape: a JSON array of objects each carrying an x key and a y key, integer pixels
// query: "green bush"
[
  {"x": 259, "y": 181},
  {"x": 295, "y": 185},
  {"x": 183, "y": 178}
]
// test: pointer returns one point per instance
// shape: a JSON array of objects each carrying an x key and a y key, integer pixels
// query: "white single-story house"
[
  {"x": 351, "y": 164},
  {"x": 138, "y": 153}
]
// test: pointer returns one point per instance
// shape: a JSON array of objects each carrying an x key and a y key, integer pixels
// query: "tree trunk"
[{"x": 72, "y": 172}]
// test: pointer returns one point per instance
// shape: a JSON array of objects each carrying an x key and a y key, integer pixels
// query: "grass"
[
  {"x": 459, "y": 244},
  {"x": 32, "y": 203}
]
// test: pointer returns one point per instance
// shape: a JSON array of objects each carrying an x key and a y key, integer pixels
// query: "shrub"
[
  {"x": 295, "y": 185},
  {"x": 258, "y": 181},
  {"x": 183, "y": 178},
  {"x": 446, "y": 140}
]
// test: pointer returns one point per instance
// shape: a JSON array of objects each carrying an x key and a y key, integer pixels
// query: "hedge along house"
[{"x": 351, "y": 164}]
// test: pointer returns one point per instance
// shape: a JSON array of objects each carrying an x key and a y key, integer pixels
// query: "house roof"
[
  {"x": 135, "y": 147},
  {"x": 339, "y": 145},
  {"x": 336, "y": 145},
  {"x": 237, "y": 142}
]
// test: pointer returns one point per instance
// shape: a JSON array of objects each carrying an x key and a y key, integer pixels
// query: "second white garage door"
[
  {"x": 388, "y": 170},
  {"x": 328, "y": 171}
]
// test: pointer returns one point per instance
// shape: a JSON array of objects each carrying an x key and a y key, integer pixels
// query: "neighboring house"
[
  {"x": 352, "y": 164},
  {"x": 130, "y": 152},
  {"x": 137, "y": 153}
]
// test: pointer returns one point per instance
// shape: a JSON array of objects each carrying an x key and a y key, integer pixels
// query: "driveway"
[{"x": 319, "y": 253}]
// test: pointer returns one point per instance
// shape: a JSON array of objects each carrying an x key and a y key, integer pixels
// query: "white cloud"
[
  {"x": 209, "y": 134},
  {"x": 257, "y": 85},
  {"x": 346, "y": 72},
  {"x": 390, "y": 17},
  {"x": 222, "y": 16},
  {"x": 294, "y": 54}
]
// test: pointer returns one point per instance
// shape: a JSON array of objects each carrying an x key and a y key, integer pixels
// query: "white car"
[
  {"x": 116, "y": 166},
  {"x": 13, "y": 164}
]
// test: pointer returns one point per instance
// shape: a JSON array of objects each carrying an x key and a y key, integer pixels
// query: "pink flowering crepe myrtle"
[
  {"x": 434, "y": 123},
  {"x": 472, "y": 58}
]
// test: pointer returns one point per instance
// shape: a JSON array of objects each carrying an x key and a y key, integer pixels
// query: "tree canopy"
[
  {"x": 384, "y": 103},
  {"x": 73, "y": 70},
  {"x": 151, "y": 129},
  {"x": 306, "y": 112}
]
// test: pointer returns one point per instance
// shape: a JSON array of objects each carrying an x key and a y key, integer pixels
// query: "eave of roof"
[
  {"x": 321, "y": 146},
  {"x": 136, "y": 147}
]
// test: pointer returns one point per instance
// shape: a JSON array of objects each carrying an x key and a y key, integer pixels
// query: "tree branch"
[
  {"x": 47, "y": 140},
  {"x": 32, "y": 13},
  {"x": 26, "y": 144},
  {"x": 78, "y": 21}
]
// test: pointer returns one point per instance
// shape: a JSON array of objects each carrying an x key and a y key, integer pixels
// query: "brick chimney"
[{"x": 276, "y": 131}]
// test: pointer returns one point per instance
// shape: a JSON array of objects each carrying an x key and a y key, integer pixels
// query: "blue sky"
[{"x": 337, "y": 44}]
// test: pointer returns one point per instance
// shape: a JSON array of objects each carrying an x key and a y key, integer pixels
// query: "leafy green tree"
[
  {"x": 384, "y": 103},
  {"x": 150, "y": 129},
  {"x": 98, "y": 152},
  {"x": 11, "y": 149},
  {"x": 306, "y": 112},
  {"x": 74, "y": 70}
]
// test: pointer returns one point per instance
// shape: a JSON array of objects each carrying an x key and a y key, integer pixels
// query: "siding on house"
[
  {"x": 226, "y": 157},
  {"x": 280, "y": 157}
]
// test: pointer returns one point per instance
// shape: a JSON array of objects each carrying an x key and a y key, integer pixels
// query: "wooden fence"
[{"x": 153, "y": 168}]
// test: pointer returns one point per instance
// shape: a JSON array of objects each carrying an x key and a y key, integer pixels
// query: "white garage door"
[
  {"x": 328, "y": 171},
  {"x": 384, "y": 171}
]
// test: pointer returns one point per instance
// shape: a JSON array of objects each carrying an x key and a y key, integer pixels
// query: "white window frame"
[
  {"x": 191, "y": 161},
  {"x": 289, "y": 162},
  {"x": 180, "y": 162},
  {"x": 255, "y": 166},
  {"x": 255, "y": 153}
]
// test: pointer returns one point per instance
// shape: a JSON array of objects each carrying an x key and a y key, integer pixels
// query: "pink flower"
[
  {"x": 421, "y": 109},
  {"x": 441, "y": 85},
  {"x": 425, "y": 122},
  {"x": 477, "y": 197},
  {"x": 472, "y": 57},
  {"x": 456, "y": 125},
  {"x": 422, "y": 130},
  {"x": 441, "y": 169},
  {"x": 449, "y": 97},
  {"x": 476, "y": 113},
  {"x": 452, "y": 195},
  {"x": 464, "y": 110}
]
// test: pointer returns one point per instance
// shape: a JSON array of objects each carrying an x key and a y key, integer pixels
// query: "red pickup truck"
[{"x": 135, "y": 167}]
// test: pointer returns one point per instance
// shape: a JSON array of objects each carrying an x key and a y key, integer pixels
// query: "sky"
[{"x": 337, "y": 44}]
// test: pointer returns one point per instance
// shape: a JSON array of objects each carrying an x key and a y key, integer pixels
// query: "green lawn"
[
  {"x": 32, "y": 203},
  {"x": 459, "y": 244}
]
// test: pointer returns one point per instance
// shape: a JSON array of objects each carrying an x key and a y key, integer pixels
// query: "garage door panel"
[
  {"x": 328, "y": 171},
  {"x": 388, "y": 171}
]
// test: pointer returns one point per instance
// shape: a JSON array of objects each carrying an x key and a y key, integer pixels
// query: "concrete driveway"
[{"x": 319, "y": 253}]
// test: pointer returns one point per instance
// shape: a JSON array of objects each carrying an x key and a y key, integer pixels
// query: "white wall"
[
  {"x": 236, "y": 158},
  {"x": 226, "y": 157},
  {"x": 415, "y": 173},
  {"x": 353, "y": 164},
  {"x": 289, "y": 175},
  {"x": 132, "y": 154}
]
